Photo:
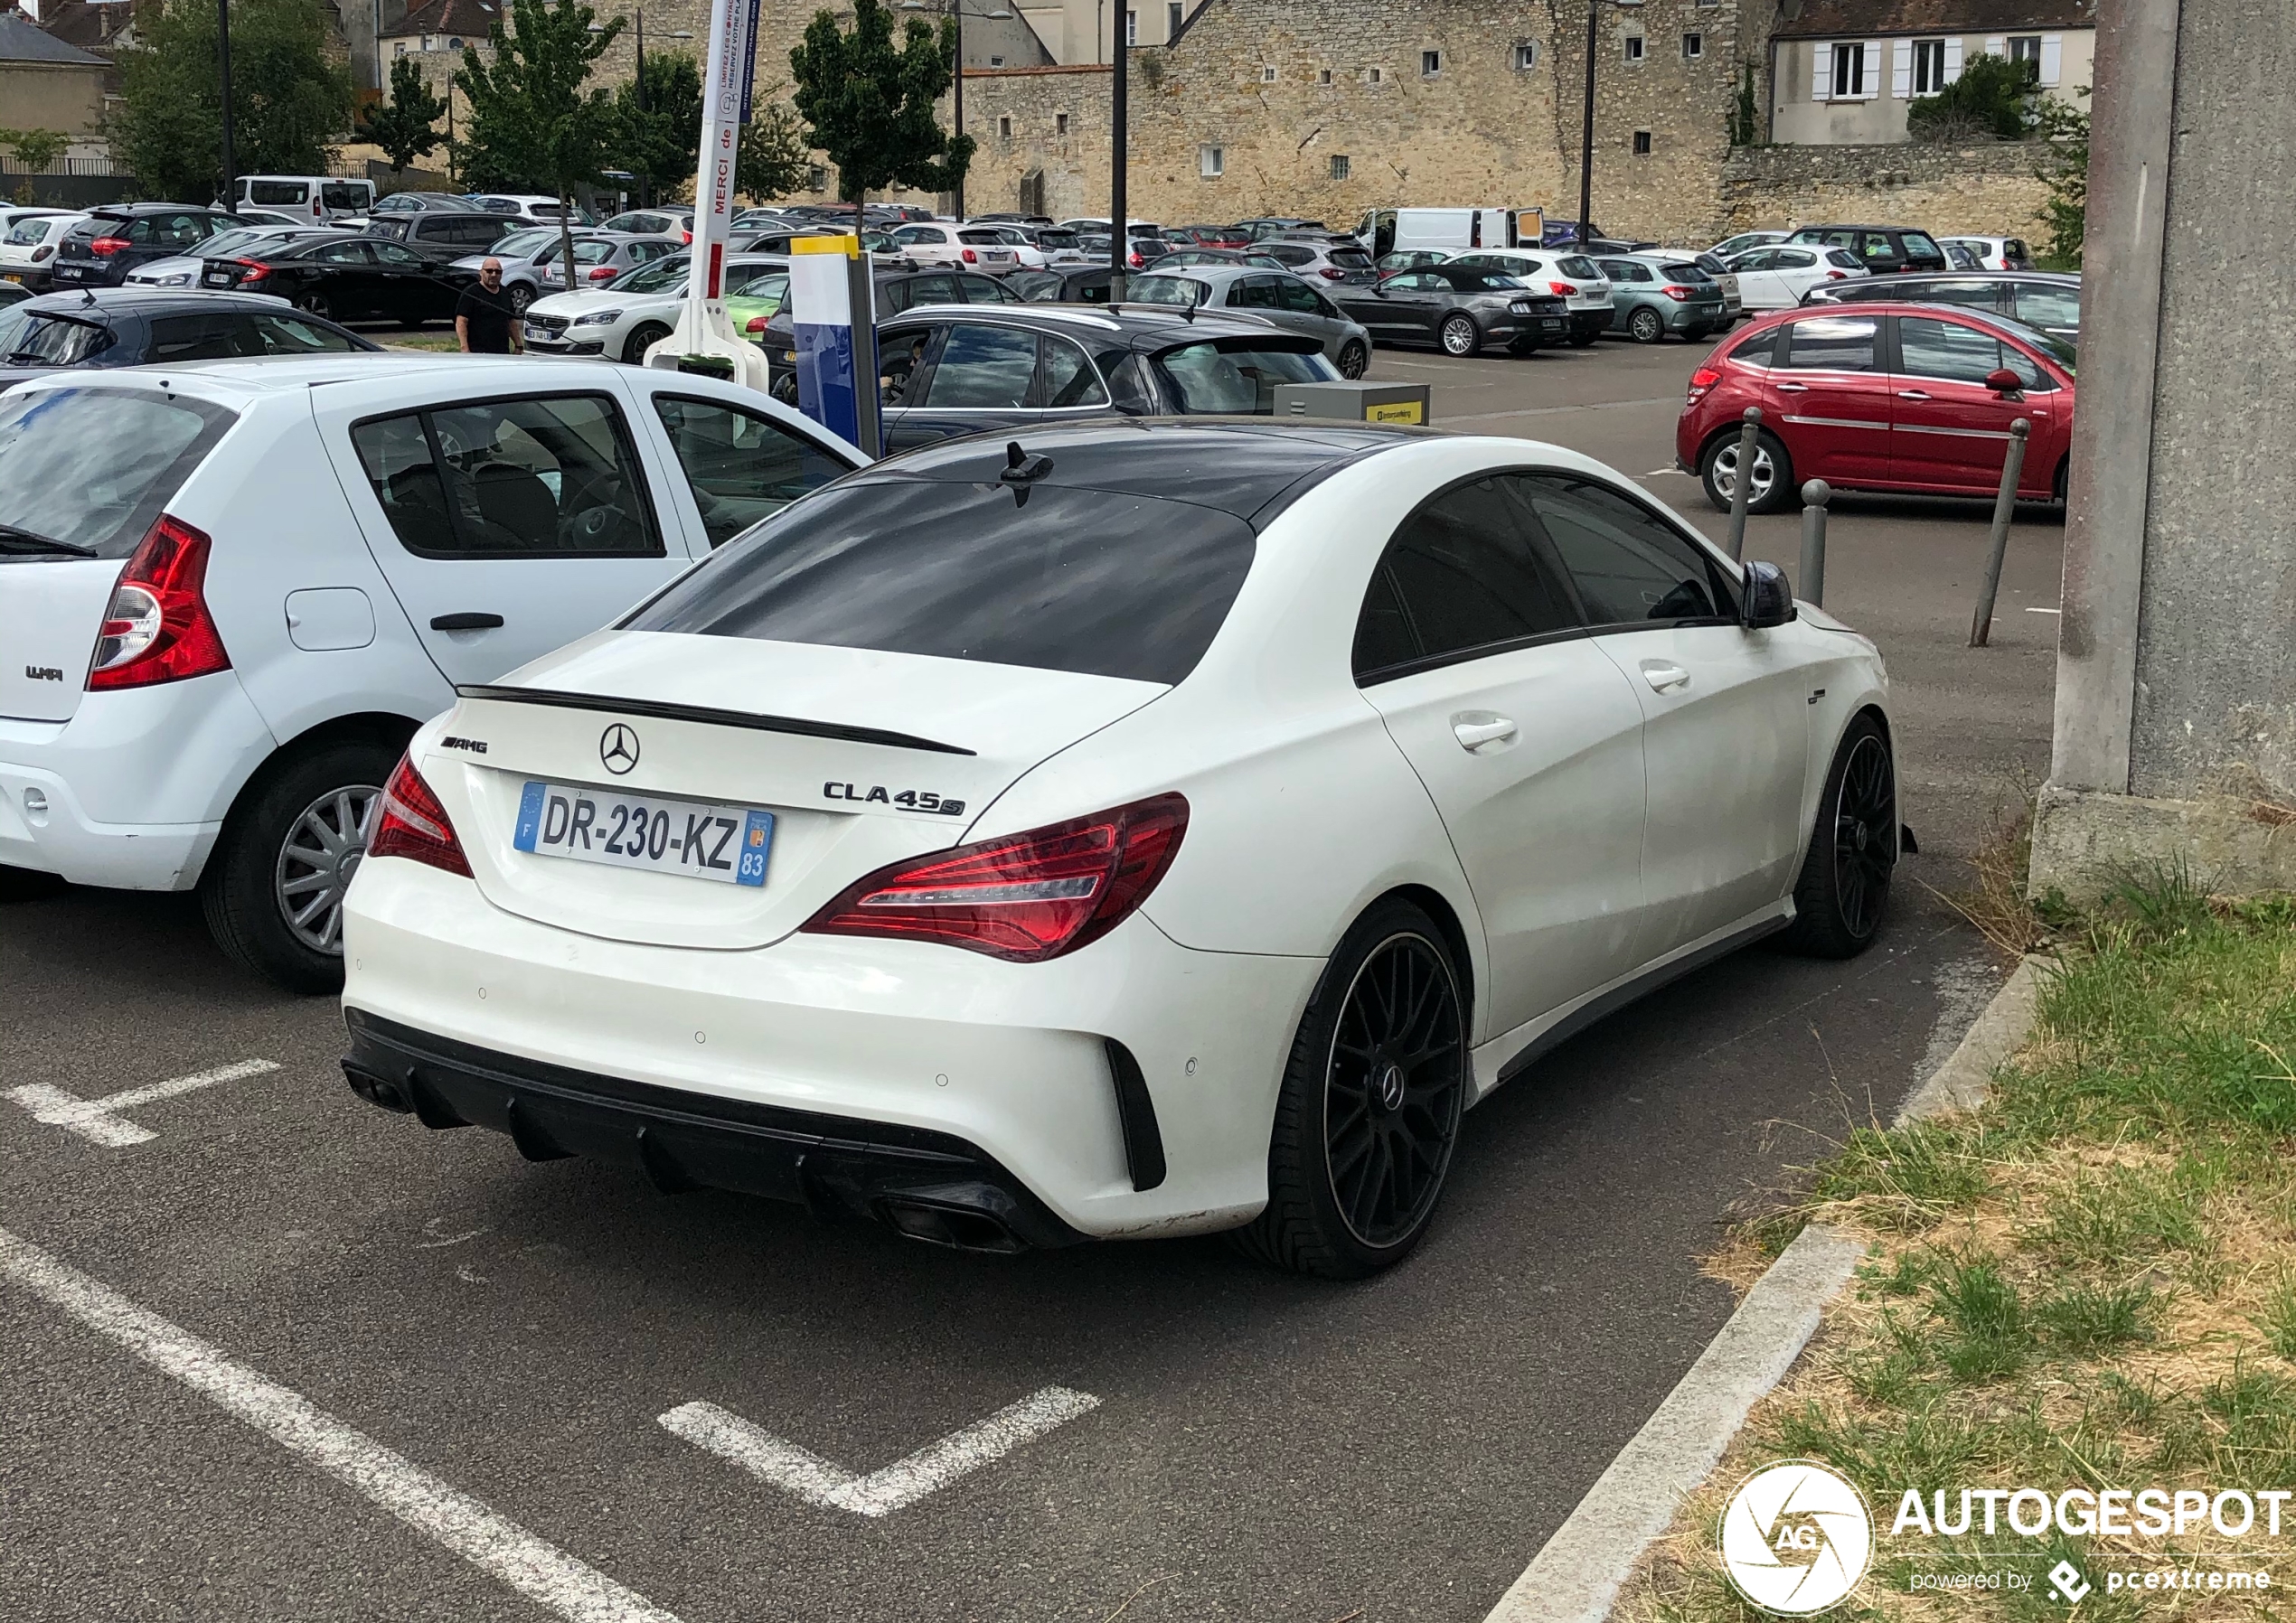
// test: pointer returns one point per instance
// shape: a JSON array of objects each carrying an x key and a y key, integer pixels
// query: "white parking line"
[
  {"x": 540, "y": 1572},
  {"x": 881, "y": 1492},
  {"x": 93, "y": 1118},
  {"x": 2043, "y": 611}
]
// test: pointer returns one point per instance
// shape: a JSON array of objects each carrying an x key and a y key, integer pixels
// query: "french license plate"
[
  {"x": 71, "y": 271},
  {"x": 11, "y": 276},
  {"x": 728, "y": 844}
]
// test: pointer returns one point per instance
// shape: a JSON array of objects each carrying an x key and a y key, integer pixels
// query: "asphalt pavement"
[{"x": 509, "y": 1335}]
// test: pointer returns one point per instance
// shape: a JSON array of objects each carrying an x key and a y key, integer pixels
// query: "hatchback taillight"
[
  {"x": 1332, "y": 272},
  {"x": 1836, "y": 276},
  {"x": 104, "y": 248},
  {"x": 601, "y": 273},
  {"x": 1702, "y": 380},
  {"x": 41, "y": 252},
  {"x": 971, "y": 257},
  {"x": 1025, "y": 897},
  {"x": 414, "y": 825},
  {"x": 156, "y": 628},
  {"x": 755, "y": 324},
  {"x": 1674, "y": 290},
  {"x": 1568, "y": 290}
]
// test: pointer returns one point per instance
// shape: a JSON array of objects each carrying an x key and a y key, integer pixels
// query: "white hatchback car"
[
  {"x": 624, "y": 321},
  {"x": 933, "y": 242},
  {"x": 1153, "y": 827},
  {"x": 229, "y": 591},
  {"x": 1776, "y": 277}
]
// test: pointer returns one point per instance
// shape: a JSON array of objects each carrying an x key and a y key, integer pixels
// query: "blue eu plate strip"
[
  {"x": 757, "y": 840},
  {"x": 530, "y": 817}
]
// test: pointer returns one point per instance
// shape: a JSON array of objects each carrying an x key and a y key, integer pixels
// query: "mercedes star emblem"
[{"x": 618, "y": 746}]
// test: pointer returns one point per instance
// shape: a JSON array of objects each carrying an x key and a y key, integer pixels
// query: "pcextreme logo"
[{"x": 1796, "y": 1537}]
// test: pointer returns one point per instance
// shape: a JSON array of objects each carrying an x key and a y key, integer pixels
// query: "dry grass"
[{"x": 2090, "y": 1282}]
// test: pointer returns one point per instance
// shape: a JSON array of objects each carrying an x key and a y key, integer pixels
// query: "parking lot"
[{"x": 1200, "y": 1439}]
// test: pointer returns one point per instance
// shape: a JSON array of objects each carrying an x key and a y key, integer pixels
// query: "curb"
[{"x": 1577, "y": 1573}]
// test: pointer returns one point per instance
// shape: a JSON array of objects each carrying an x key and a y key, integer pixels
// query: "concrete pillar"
[{"x": 2176, "y": 703}]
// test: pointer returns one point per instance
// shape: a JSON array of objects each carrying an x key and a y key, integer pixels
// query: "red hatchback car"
[{"x": 1881, "y": 396}]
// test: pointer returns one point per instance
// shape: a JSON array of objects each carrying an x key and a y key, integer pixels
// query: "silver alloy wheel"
[
  {"x": 1459, "y": 335},
  {"x": 1726, "y": 473},
  {"x": 1646, "y": 325},
  {"x": 321, "y": 852}
]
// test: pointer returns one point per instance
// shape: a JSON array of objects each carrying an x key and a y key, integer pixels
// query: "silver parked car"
[{"x": 1276, "y": 298}]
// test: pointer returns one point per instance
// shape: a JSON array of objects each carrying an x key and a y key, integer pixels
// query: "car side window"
[
  {"x": 933, "y": 290},
  {"x": 1875, "y": 245},
  {"x": 1252, "y": 292},
  {"x": 984, "y": 368},
  {"x": 1631, "y": 567},
  {"x": 1831, "y": 344},
  {"x": 549, "y": 477},
  {"x": 1069, "y": 381},
  {"x": 1298, "y": 299},
  {"x": 740, "y": 465},
  {"x": 344, "y": 253},
  {"x": 288, "y": 335},
  {"x": 2042, "y": 304},
  {"x": 1945, "y": 350},
  {"x": 390, "y": 253},
  {"x": 206, "y": 336},
  {"x": 985, "y": 290},
  {"x": 1461, "y": 574},
  {"x": 900, "y": 364}
]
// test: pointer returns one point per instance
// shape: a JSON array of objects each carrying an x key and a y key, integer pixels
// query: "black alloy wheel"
[
  {"x": 646, "y": 335},
  {"x": 312, "y": 302},
  {"x": 1355, "y": 359},
  {"x": 1844, "y": 888},
  {"x": 1369, "y": 1113}
]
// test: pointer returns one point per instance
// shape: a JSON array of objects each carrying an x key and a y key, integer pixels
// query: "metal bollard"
[
  {"x": 1815, "y": 494},
  {"x": 1743, "y": 484},
  {"x": 1981, "y": 628}
]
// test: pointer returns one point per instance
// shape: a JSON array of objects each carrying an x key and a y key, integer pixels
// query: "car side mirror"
[
  {"x": 2005, "y": 383},
  {"x": 1766, "y": 601}
]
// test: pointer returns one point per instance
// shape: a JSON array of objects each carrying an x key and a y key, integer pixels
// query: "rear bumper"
[{"x": 929, "y": 1185}]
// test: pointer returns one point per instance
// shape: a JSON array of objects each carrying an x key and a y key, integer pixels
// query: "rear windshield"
[
  {"x": 985, "y": 239},
  {"x": 277, "y": 191},
  {"x": 94, "y": 466},
  {"x": 1055, "y": 578},
  {"x": 1683, "y": 271},
  {"x": 1578, "y": 265},
  {"x": 1234, "y": 376},
  {"x": 1164, "y": 290},
  {"x": 1919, "y": 242},
  {"x": 1354, "y": 259},
  {"x": 37, "y": 340}
]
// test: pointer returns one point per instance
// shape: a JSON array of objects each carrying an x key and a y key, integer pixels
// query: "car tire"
[
  {"x": 2063, "y": 482},
  {"x": 646, "y": 334},
  {"x": 1400, "y": 1082},
  {"x": 1460, "y": 336},
  {"x": 1844, "y": 888},
  {"x": 1718, "y": 466},
  {"x": 306, "y": 817},
  {"x": 784, "y": 389},
  {"x": 1645, "y": 325},
  {"x": 1355, "y": 359},
  {"x": 312, "y": 302},
  {"x": 521, "y": 296}
]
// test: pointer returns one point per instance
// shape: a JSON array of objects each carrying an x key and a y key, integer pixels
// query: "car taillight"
[
  {"x": 1568, "y": 290},
  {"x": 971, "y": 257},
  {"x": 1133, "y": 258},
  {"x": 156, "y": 627},
  {"x": 1836, "y": 276},
  {"x": 601, "y": 273},
  {"x": 1702, "y": 380},
  {"x": 755, "y": 324},
  {"x": 1025, "y": 897},
  {"x": 41, "y": 252},
  {"x": 104, "y": 248},
  {"x": 414, "y": 825},
  {"x": 252, "y": 270},
  {"x": 685, "y": 236},
  {"x": 1332, "y": 272},
  {"x": 1676, "y": 291}
]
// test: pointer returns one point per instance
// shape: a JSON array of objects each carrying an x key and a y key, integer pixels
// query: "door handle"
[
  {"x": 1794, "y": 388},
  {"x": 464, "y": 621},
  {"x": 1663, "y": 677},
  {"x": 1912, "y": 394},
  {"x": 1478, "y": 730}
]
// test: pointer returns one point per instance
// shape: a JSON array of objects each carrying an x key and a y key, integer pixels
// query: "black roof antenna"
[{"x": 1020, "y": 468}]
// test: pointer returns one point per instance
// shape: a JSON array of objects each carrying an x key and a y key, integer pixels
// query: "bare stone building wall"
[{"x": 1991, "y": 189}]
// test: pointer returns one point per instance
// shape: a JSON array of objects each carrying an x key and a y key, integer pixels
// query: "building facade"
[{"x": 1844, "y": 73}]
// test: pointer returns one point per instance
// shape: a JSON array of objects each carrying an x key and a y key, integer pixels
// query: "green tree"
[
  {"x": 36, "y": 149},
  {"x": 774, "y": 158},
  {"x": 1742, "y": 108},
  {"x": 533, "y": 125},
  {"x": 870, "y": 106},
  {"x": 1992, "y": 100},
  {"x": 2065, "y": 173},
  {"x": 404, "y": 125},
  {"x": 661, "y": 142},
  {"x": 288, "y": 101}
]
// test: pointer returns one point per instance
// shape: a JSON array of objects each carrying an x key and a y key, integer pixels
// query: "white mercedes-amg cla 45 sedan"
[{"x": 1149, "y": 828}]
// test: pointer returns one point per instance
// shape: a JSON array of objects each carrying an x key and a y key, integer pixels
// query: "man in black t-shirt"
[{"x": 485, "y": 321}]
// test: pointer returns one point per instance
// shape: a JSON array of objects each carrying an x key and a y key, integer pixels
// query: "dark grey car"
[
  {"x": 1457, "y": 310},
  {"x": 2049, "y": 300}
]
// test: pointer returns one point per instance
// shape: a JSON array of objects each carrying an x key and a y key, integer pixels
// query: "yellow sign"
[
  {"x": 1395, "y": 411},
  {"x": 847, "y": 245}
]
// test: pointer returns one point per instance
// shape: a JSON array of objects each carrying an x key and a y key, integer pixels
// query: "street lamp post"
[
  {"x": 1587, "y": 129},
  {"x": 1120, "y": 120},
  {"x": 223, "y": 73}
]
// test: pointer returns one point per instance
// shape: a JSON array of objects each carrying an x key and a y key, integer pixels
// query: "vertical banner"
[
  {"x": 703, "y": 329},
  {"x": 836, "y": 336}
]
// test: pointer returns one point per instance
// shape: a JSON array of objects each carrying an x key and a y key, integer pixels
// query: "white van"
[
  {"x": 1385, "y": 231},
  {"x": 313, "y": 197}
]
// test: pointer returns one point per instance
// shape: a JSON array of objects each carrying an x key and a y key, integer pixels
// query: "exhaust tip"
[
  {"x": 951, "y": 1227},
  {"x": 376, "y": 1089}
]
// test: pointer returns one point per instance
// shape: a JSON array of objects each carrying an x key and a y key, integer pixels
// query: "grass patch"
[
  {"x": 429, "y": 343},
  {"x": 2089, "y": 1281}
]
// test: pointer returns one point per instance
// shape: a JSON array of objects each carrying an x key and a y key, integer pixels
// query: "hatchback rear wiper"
[{"x": 16, "y": 538}]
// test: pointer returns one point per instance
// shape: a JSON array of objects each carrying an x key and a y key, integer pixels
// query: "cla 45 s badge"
[{"x": 909, "y": 800}]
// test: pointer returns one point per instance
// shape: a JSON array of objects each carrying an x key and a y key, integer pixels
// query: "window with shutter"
[
  {"x": 1996, "y": 45},
  {"x": 1821, "y": 72},
  {"x": 1952, "y": 59},
  {"x": 2052, "y": 59},
  {"x": 1901, "y": 69}
]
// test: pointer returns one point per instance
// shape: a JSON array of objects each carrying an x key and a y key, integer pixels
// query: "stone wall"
[
  {"x": 1047, "y": 121},
  {"x": 1991, "y": 189}
]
